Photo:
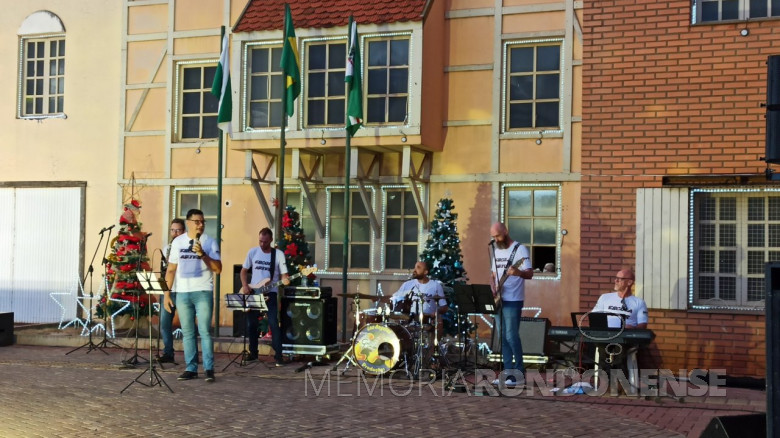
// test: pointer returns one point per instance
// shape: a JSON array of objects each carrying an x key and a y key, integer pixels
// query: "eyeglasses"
[
  {"x": 197, "y": 222},
  {"x": 622, "y": 278},
  {"x": 176, "y": 230}
]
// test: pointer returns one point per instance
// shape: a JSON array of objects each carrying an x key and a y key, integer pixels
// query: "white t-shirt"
[
  {"x": 259, "y": 263},
  {"x": 514, "y": 286},
  {"x": 611, "y": 302},
  {"x": 430, "y": 289},
  {"x": 192, "y": 274}
]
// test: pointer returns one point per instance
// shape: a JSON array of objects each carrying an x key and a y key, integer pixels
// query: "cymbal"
[{"x": 364, "y": 296}]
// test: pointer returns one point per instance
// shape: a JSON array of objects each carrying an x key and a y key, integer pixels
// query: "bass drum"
[{"x": 379, "y": 348}]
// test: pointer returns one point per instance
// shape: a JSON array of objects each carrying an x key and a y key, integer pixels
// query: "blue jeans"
[
  {"x": 166, "y": 327},
  {"x": 273, "y": 326},
  {"x": 201, "y": 305},
  {"x": 511, "y": 348}
]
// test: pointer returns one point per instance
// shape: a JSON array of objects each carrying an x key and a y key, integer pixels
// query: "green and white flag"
[
  {"x": 352, "y": 77},
  {"x": 221, "y": 89},
  {"x": 289, "y": 63}
]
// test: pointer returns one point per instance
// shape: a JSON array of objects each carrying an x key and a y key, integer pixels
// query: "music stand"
[
  {"x": 153, "y": 285},
  {"x": 474, "y": 299},
  {"x": 245, "y": 303}
]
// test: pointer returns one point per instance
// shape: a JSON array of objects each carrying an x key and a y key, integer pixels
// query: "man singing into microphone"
[{"x": 194, "y": 261}]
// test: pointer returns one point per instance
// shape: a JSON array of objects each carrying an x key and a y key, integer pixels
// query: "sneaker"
[
  {"x": 165, "y": 358},
  {"x": 188, "y": 375},
  {"x": 251, "y": 357},
  {"x": 210, "y": 376}
]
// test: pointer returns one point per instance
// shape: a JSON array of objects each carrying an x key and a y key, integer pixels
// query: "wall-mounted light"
[
  {"x": 322, "y": 138},
  {"x": 744, "y": 32},
  {"x": 539, "y": 140},
  {"x": 197, "y": 151},
  {"x": 403, "y": 139}
]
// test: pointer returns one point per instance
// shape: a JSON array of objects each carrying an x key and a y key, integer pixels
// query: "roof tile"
[{"x": 261, "y": 15}]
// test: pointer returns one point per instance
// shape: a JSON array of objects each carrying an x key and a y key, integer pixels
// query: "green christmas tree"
[
  {"x": 442, "y": 251},
  {"x": 293, "y": 243},
  {"x": 128, "y": 256}
]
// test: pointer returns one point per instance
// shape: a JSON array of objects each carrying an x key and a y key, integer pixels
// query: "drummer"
[{"x": 433, "y": 294}]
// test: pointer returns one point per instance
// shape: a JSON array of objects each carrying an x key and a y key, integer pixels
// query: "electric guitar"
[
  {"x": 504, "y": 278},
  {"x": 265, "y": 284}
]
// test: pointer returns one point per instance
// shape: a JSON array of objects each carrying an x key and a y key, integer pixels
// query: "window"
[
  {"x": 533, "y": 86},
  {"x": 387, "y": 92},
  {"x": 204, "y": 200},
  {"x": 197, "y": 107},
  {"x": 531, "y": 214},
  {"x": 734, "y": 235},
  {"x": 359, "y": 255},
  {"x": 402, "y": 229},
  {"x": 43, "y": 76},
  {"x": 326, "y": 90},
  {"x": 707, "y": 11},
  {"x": 297, "y": 200},
  {"x": 266, "y": 87}
]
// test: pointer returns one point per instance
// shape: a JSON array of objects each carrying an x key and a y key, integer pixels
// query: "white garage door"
[{"x": 40, "y": 231}]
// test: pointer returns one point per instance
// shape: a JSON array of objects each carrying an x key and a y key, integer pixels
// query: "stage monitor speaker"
[
  {"x": 237, "y": 278},
  {"x": 308, "y": 322},
  {"x": 742, "y": 426},
  {"x": 6, "y": 329},
  {"x": 773, "y": 110},
  {"x": 533, "y": 336}
]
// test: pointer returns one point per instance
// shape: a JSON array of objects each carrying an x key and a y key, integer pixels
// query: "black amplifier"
[{"x": 308, "y": 293}]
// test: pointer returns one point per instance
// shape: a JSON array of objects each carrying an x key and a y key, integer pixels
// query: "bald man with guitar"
[{"x": 511, "y": 266}]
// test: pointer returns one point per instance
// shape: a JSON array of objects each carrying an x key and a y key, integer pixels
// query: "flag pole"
[
  {"x": 345, "y": 246},
  {"x": 219, "y": 207}
]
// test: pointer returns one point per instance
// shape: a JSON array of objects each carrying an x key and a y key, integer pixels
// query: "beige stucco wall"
[{"x": 83, "y": 146}]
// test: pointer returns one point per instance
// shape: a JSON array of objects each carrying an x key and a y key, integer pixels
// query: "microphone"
[
  {"x": 197, "y": 237},
  {"x": 492, "y": 241},
  {"x": 108, "y": 228},
  {"x": 148, "y": 235}
]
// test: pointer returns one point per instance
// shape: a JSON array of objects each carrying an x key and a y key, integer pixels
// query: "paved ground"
[{"x": 46, "y": 393}]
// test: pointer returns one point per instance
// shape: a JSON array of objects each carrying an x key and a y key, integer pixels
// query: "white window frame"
[
  {"x": 246, "y": 96},
  {"x": 420, "y": 221},
  {"x": 178, "y": 97}
]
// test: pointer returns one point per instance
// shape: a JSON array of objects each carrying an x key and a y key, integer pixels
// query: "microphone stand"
[
  {"x": 104, "y": 343},
  {"x": 136, "y": 358},
  {"x": 91, "y": 345}
]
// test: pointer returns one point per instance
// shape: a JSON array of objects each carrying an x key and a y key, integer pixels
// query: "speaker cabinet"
[
  {"x": 6, "y": 329},
  {"x": 533, "y": 336},
  {"x": 773, "y": 110},
  {"x": 742, "y": 426},
  {"x": 308, "y": 321}
]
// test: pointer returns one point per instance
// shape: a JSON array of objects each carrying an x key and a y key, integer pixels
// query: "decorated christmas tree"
[
  {"x": 293, "y": 243},
  {"x": 442, "y": 251},
  {"x": 128, "y": 256}
]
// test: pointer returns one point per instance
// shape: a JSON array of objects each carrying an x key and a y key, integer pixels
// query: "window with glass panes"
[
  {"x": 197, "y": 106},
  {"x": 359, "y": 254},
  {"x": 402, "y": 229},
  {"x": 735, "y": 234},
  {"x": 265, "y": 87},
  {"x": 298, "y": 200},
  {"x": 325, "y": 87},
  {"x": 708, "y": 11},
  {"x": 43, "y": 76},
  {"x": 203, "y": 200},
  {"x": 531, "y": 214},
  {"x": 387, "y": 91},
  {"x": 533, "y": 86}
]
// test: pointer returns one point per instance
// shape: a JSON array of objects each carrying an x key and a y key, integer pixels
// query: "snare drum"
[
  {"x": 379, "y": 348},
  {"x": 371, "y": 316}
]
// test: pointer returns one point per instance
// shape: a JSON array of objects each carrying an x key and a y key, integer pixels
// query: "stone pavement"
[{"x": 46, "y": 393}]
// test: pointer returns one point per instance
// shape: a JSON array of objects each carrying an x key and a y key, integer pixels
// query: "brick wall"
[{"x": 663, "y": 97}]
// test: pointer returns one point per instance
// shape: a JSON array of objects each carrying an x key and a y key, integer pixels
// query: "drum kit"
[{"x": 398, "y": 338}]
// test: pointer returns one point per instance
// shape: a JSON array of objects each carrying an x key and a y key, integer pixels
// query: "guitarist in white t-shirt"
[
  {"x": 511, "y": 266},
  {"x": 262, "y": 265}
]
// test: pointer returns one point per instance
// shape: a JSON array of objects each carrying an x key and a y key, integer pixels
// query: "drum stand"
[
  {"x": 349, "y": 354},
  {"x": 245, "y": 303}
]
